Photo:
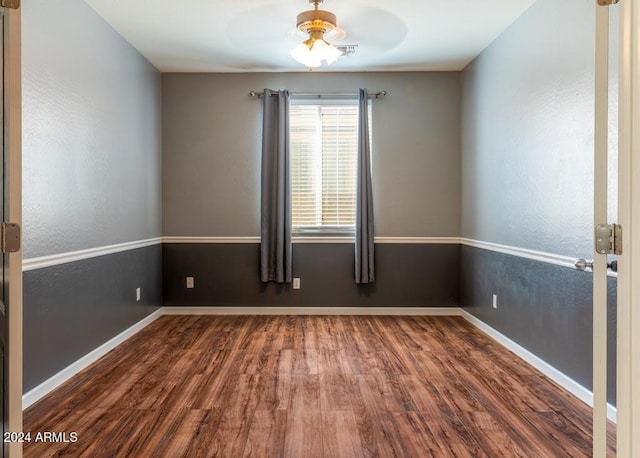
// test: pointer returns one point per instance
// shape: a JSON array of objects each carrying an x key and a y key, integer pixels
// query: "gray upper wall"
[
  {"x": 527, "y": 135},
  {"x": 91, "y": 117},
  {"x": 211, "y": 150}
]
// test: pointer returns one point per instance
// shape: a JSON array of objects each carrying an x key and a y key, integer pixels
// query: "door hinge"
[
  {"x": 607, "y": 2},
  {"x": 13, "y": 4},
  {"x": 608, "y": 239},
  {"x": 10, "y": 237}
]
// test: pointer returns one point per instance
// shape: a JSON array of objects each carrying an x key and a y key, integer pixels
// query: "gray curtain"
[
  {"x": 365, "y": 272},
  {"x": 275, "y": 212}
]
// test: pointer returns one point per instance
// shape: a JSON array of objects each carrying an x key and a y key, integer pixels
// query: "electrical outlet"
[
  {"x": 296, "y": 283},
  {"x": 138, "y": 290},
  {"x": 495, "y": 301},
  {"x": 190, "y": 283}
]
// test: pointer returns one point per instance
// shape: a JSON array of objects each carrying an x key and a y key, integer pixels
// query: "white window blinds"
[{"x": 324, "y": 142}]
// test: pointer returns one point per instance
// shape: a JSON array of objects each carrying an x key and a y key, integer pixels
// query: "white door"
[
  {"x": 601, "y": 142},
  {"x": 3, "y": 309},
  {"x": 617, "y": 233},
  {"x": 628, "y": 217},
  {"x": 10, "y": 192}
]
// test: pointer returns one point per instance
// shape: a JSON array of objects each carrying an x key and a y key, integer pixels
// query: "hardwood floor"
[{"x": 305, "y": 386}]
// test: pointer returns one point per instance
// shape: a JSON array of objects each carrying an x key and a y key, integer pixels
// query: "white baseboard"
[
  {"x": 554, "y": 374},
  {"x": 396, "y": 311},
  {"x": 65, "y": 374}
]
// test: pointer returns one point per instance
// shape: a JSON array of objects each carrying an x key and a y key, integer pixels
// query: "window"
[{"x": 324, "y": 149}]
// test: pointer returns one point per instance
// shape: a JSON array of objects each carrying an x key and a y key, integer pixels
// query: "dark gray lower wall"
[
  {"x": 71, "y": 309},
  {"x": 546, "y": 309},
  {"x": 227, "y": 275}
]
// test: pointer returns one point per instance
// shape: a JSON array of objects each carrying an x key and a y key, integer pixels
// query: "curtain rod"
[{"x": 321, "y": 95}]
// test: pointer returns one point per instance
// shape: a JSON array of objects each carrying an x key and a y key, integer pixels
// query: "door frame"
[
  {"x": 13, "y": 192},
  {"x": 628, "y": 342}
]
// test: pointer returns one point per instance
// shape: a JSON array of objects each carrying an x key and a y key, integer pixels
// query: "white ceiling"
[{"x": 256, "y": 35}]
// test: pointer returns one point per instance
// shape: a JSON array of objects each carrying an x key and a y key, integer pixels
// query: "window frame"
[{"x": 327, "y": 231}]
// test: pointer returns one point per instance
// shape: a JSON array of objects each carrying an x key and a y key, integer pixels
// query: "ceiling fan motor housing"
[{"x": 316, "y": 21}]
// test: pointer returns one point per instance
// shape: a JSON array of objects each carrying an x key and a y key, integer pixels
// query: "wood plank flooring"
[{"x": 307, "y": 386}]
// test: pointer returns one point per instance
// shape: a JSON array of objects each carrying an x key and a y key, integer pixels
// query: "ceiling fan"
[{"x": 319, "y": 25}]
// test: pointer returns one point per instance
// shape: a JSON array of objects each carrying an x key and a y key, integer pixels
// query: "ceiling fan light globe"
[
  {"x": 332, "y": 54},
  {"x": 325, "y": 51},
  {"x": 303, "y": 54}
]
